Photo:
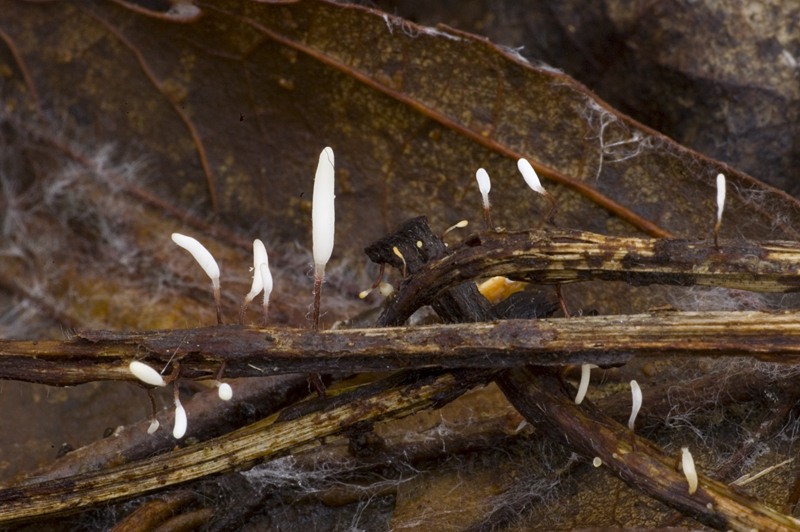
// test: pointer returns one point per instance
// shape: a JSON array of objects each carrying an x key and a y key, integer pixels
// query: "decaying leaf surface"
[{"x": 224, "y": 115}]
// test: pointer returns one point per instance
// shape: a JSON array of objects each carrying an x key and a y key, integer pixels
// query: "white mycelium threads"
[
  {"x": 146, "y": 374},
  {"x": 720, "y": 206},
  {"x": 206, "y": 261},
  {"x": 689, "y": 470},
  {"x": 485, "y": 184},
  {"x": 266, "y": 277},
  {"x": 586, "y": 370},
  {"x": 529, "y": 174},
  {"x": 636, "y": 392},
  {"x": 259, "y": 257},
  {"x": 322, "y": 221}
]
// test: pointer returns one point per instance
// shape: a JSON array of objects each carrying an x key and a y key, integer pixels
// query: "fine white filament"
[
  {"x": 200, "y": 254},
  {"x": 180, "y": 421},
  {"x": 259, "y": 257},
  {"x": 146, "y": 374},
  {"x": 322, "y": 213},
  {"x": 636, "y": 392},
  {"x": 586, "y": 370},
  {"x": 530, "y": 176},
  {"x": 689, "y": 470},
  {"x": 225, "y": 391},
  {"x": 484, "y": 184},
  {"x": 720, "y": 196}
]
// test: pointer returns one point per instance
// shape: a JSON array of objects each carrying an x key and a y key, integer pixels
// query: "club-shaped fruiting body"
[
  {"x": 586, "y": 370},
  {"x": 153, "y": 426},
  {"x": 180, "y": 421},
  {"x": 484, "y": 184},
  {"x": 259, "y": 257},
  {"x": 200, "y": 254},
  {"x": 636, "y": 393},
  {"x": 689, "y": 470},
  {"x": 322, "y": 212},
  {"x": 530, "y": 176},
  {"x": 720, "y": 197},
  {"x": 146, "y": 374},
  {"x": 225, "y": 391}
]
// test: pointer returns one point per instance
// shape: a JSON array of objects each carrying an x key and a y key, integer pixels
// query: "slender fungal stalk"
[
  {"x": 529, "y": 174},
  {"x": 720, "y": 207},
  {"x": 485, "y": 184},
  {"x": 206, "y": 261},
  {"x": 259, "y": 257},
  {"x": 322, "y": 221}
]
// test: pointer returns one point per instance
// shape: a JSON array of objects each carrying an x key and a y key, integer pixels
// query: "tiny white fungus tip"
[
  {"x": 146, "y": 374},
  {"x": 720, "y": 197},
  {"x": 485, "y": 185},
  {"x": 636, "y": 393},
  {"x": 386, "y": 289},
  {"x": 259, "y": 257},
  {"x": 200, "y": 254},
  {"x": 180, "y": 421},
  {"x": 689, "y": 470},
  {"x": 597, "y": 462},
  {"x": 530, "y": 176},
  {"x": 153, "y": 426},
  {"x": 323, "y": 215},
  {"x": 225, "y": 391},
  {"x": 583, "y": 387}
]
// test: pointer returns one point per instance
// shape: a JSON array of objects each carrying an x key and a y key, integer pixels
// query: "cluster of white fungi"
[{"x": 323, "y": 217}]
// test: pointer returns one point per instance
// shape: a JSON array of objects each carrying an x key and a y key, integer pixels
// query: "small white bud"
[
  {"x": 153, "y": 426},
  {"x": 720, "y": 197},
  {"x": 180, "y": 421},
  {"x": 484, "y": 184},
  {"x": 386, "y": 289},
  {"x": 146, "y": 374},
  {"x": 200, "y": 254},
  {"x": 689, "y": 470},
  {"x": 322, "y": 212},
  {"x": 636, "y": 392},
  {"x": 586, "y": 370},
  {"x": 530, "y": 176},
  {"x": 597, "y": 462},
  {"x": 225, "y": 391}
]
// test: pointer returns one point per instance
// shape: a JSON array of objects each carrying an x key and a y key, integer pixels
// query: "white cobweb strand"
[
  {"x": 720, "y": 196},
  {"x": 259, "y": 257},
  {"x": 484, "y": 184},
  {"x": 146, "y": 374},
  {"x": 530, "y": 176},
  {"x": 322, "y": 212},
  {"x": 636, "y": 393},
  {"x": 181, "y": 422},
  {"x": 200, "y": 254}
]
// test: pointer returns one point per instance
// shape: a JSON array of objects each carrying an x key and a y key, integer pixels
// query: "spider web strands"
[
  {"x": 249, "y": 352},
  {"x": 556, "y": 256}
]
